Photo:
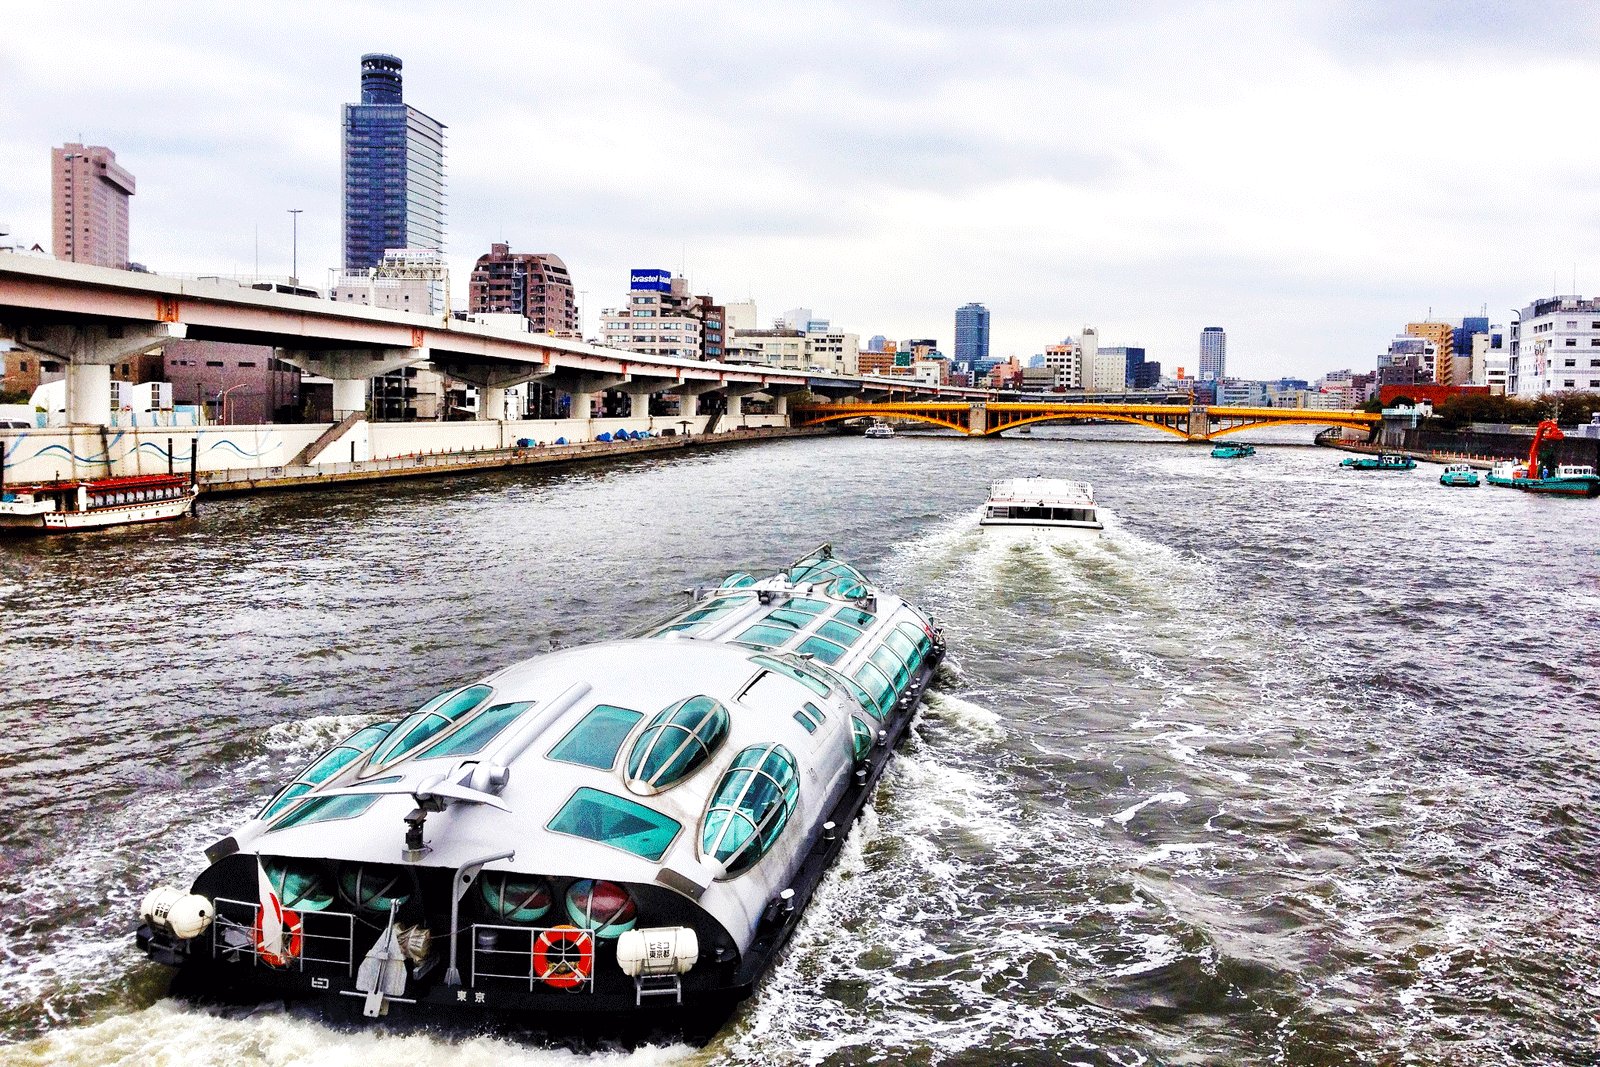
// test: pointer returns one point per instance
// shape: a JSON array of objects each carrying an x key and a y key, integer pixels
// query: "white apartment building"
[
  {"x": 655, "y": 322},
  {"x": 1065, "y": 362},
  {"x": 1108, "y": 370},
  {"x": 1555, "y": 345}
]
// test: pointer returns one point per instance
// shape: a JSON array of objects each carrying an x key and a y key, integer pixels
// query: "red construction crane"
[{"x": 1547, "y": 431}]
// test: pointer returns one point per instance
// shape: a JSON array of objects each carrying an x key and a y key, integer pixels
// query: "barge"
[{"x": 623, "y": 829}]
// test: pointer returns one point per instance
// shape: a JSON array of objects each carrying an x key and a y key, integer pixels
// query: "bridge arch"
[
  {"x": 1088, "y": 417},
  {"x": 956, "y": 421},
  {"x": 1258, "y": 424}
]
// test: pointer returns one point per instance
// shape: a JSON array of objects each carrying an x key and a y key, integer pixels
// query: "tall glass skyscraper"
[
  {"x": 1213, "y": 354},
  {"x": 972, "y": 333},
  {"x": 393, "y": 170}
]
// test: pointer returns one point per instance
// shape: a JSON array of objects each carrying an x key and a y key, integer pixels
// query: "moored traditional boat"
[
  {"x": 91, "y": 503},
  {"x": 630, "y": 826}
]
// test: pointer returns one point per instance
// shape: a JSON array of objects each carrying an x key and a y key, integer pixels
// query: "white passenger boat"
[
  {"x": 1047, "y": 503},
  {"x": 880, "y": 428},
  {"x": 627, "y": 828},
  {"x": 92, "y": 503}
]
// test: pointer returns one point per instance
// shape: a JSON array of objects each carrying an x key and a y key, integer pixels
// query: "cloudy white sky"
[{"x": 1309, "y": 176}]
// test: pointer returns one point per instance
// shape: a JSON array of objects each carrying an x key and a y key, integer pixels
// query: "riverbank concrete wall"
[{"x": 35, "y": 455}]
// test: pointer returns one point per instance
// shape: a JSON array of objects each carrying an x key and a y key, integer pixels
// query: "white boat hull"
[{"x": 31, "y": 518}]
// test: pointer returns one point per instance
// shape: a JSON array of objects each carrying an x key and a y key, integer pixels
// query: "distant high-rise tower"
[
  {"x": 972, "y": 333},
  {"x": 89, "y": 195},
  {"x": 1213, "y": 354},
  {"x": 535, "y": 285},
  {"x": 393, "y": 170}
]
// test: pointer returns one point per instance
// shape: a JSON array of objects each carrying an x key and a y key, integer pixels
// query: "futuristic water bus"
[{"x": 627, "y": 827}]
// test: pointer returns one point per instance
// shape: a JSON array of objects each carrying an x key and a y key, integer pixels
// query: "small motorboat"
[
  {"x": 1460, "y": 474},
  {"x": 1385, "y": 461},
  {"x": 1044, "y": 503},
  {"x": 1232, "y": 451},
  {"x": 879, "y": 428}
]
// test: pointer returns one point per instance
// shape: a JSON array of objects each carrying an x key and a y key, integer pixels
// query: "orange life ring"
[
  {"x": 293, "y": 940},
  {"x": 563, "y": 956}
]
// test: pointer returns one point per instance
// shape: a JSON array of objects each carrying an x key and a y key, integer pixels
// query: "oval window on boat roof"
[
  {"x": 436, "y": 715},
  {"x": 738, "y": 580},
  {"x": 847, "y": 588},
  {"x": 750, "y": 807},
  {"x": 676, "y": 741}
]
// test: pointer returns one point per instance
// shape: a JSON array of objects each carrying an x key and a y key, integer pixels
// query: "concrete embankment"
[{"x": 434, "y": 465}]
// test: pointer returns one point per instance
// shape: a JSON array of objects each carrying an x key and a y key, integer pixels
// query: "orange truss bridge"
[{"x": 1197, "y": 423}]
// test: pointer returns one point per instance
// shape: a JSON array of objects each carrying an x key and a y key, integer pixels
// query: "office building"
[
  {"x": 1213, "y": 354},
  {"x": 535, "y": 285},
  {"x": 1555, "y": 345},
  {"x": 89, "y": 205},
  {"x": 972, "y": 333},
  {"x": 1442, "y": 336},
  {"x": 393, "y": 170},
  {"x": 663, "y": 318}
]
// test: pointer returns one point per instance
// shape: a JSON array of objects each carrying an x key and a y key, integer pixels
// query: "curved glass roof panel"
[
  {"x": 677, "y": 740},
  {"x": 886, "y": 661},
  {"x": 815, "y": 607},
  {"x": 595, "y": 739},
  {"x": 861, "y": 737},
  {"x": 878, "y": 688},
  {"x": 764, "y": 636},
  {"x": 839, "y": 632},
  {"x": 750, "y": 807},
  {"x": 826, "y": 651},
  {"x": 738, "y": 580},
  {"x": 327, "y": 765},
  {"x": 855, "y": 617},
  {"x": 475, "y": 735},
  {"x": 799, "y": 620},
  {"x": 438, "y": 714},
  {"x": 615, "y": 821},
  {"x": 900, "y": 646},
  {"x": 327, "y": 809}
]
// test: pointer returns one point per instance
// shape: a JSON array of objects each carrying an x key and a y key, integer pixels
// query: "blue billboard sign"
[{"x": 658, "y": 280}]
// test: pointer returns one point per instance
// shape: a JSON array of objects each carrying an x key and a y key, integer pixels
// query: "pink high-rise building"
[{"x": 89, "y": 195}]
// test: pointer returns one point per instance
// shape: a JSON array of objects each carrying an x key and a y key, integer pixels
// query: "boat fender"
[
  {"x": 563, "y": 956},
  {"x": 184, "y": 915},
  {"x": 658, "y": 950}
]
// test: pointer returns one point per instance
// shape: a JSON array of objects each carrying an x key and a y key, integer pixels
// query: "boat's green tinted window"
[
  {"x": 437, "y": 714},
  {"x": 846, "y": 588},
  {"x": 615, "y": 821},
  {"x": 764, "y": 636},
  {"x": 887, "y": 662},
  {"x": 878, "y": 689},
  {"x": 785, "y": 617},
  {"x": 826, "y": 651},
  {"x": 839, "y": 632},
  {"x": 326, "y": 809},
  {"x": 738, "y": 580},
  {"x": 814, "y": 607},
  {"x": 327, "y": 765},
  {"x": 811, "y": 682},
  {"x": 752, "y": 804},
  {"x": 917, "y": 636},
  {"x": 906, "y": 650},
  {"x": 677, "y": 740},
  {"x": 855, "y": 617},
  {"x": 862, "y": 734},
  {"x": 810, "y": 716},
  {"x": 594, "y": 741},
  {"x": 483, "y": 728}
]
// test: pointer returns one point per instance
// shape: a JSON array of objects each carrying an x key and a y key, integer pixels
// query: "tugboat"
[
  {"x": 1386, "y": 461},
  {"x": 1569, "y": 479},
  {"x": 1232, "y": 451},
  {"x": 1459, "y": 474},
  {"x": 626, "y": 829},
  {"x": 92, "y": 503}
]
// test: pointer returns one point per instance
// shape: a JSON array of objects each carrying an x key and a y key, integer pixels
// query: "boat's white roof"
[{"x": 1040, "y": 492}]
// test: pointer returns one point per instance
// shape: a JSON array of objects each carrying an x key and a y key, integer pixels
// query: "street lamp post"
[{"x": 294, "y": 262}]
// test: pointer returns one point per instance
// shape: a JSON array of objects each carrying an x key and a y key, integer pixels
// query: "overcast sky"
[{"x": 1308, "y": 176}]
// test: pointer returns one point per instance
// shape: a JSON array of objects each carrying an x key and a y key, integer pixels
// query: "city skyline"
[{"x": 874, "y": 178}]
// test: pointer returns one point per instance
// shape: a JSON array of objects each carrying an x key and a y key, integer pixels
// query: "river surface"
[{"x": 1294, "y": 765}]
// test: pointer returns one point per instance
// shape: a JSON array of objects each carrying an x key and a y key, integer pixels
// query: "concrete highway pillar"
[
  {"x": 89, "y": 393},
  {"x": 492, "y": 403},
  {"x": 780, "y": 404},
  {"x": 349, "y": 397}
]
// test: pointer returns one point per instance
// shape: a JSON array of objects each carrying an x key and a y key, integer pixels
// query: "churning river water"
[{"x": 1294, "y": 765}]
